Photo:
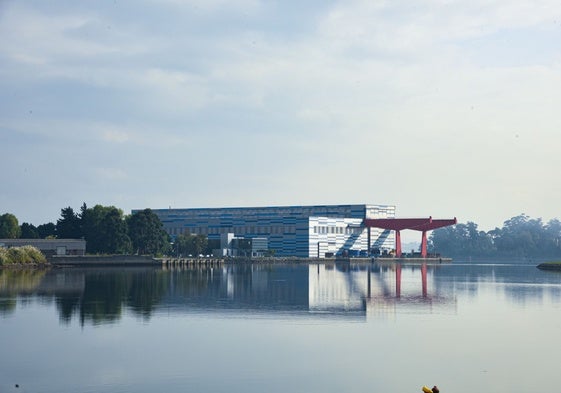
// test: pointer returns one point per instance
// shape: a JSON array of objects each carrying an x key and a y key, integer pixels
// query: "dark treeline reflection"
[
  {"x": 102, "y": 295},
  {"x": 93, "y": 295}
]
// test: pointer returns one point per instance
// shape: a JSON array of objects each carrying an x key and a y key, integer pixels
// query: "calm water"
[{"x": 316, "y": 328}]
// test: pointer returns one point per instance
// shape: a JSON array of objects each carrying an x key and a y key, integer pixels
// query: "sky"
[{"x": 442, "y": 108}]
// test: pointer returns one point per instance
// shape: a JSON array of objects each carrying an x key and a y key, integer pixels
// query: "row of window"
[
  {"x": 240, "y": 230},
  {"x": 265, "y": 230},
  {"x": 337, "y": 230}
]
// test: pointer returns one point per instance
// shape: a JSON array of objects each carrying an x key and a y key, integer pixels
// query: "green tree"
[
  {"x": 521, "y": 236},
  {"x": 186, "y": 244},
  {"x": 147, "y": 233},
  {"x": 105, "y": 230},
  {"x": 553, "y": 236},
  {"x": 28, "y": 231},
  {"x": 181, "y": 245},
  {"x": 146, "y": 291},
  {"x": 461, "y": 240},
  {"x": 46, "y": 230},
  {"x": 90, "y": 221},
  {"x": 200, "y": 243},
  {"x": 68, "y": 226},
  {"x": 9, "y": 227},
  {"x": 479, "y": 243},
  {"x": 114, "y": 232}
]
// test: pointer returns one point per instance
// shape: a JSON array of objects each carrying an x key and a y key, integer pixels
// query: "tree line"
[
  {"x": 105, "y": 228},
  {"x": 520, "y": 236}
]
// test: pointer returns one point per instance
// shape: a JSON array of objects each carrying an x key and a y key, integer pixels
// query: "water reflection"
[
  {"x": 102, "y": 295},
  {"x": 519, "y": 283},
  {"x": 14, "y": 283}
]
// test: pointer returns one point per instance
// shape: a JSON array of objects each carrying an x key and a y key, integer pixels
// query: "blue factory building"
[{"x": 300, "y": 231}]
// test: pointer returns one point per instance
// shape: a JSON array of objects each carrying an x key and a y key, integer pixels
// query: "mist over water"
[{"x": 277, "y": 328}]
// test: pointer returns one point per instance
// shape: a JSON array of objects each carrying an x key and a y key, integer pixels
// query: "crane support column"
[
  {"x": 424, "y": 244},
  {"x": 397, "y": 243}
]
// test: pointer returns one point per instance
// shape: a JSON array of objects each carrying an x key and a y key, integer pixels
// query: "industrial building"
[
  {"x": 49, "y": 247},
  {"x": 300, "y": 231}
]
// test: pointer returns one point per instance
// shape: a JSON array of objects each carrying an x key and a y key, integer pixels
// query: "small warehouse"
[{"x": 49, "y": 247}]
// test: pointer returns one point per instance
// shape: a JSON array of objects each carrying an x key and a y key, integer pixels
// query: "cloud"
[
  {"x": 27, "y": 31},
  {"x": 115, "y": 136},
  {"x": 314, "y": 100},
  {"x": 210, "y": 4},
  {"x": 110, "y": 174},
  {"x": 403, "y": 26}
]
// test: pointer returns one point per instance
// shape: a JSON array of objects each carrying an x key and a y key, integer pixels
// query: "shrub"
[
  {"x": 4, "y": 259},
  {"x": 34, "y": 254},
  {"x": 21, "y": 255},
  {"x": 18, "y": 255}
]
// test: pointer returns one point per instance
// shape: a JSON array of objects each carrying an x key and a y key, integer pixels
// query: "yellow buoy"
[{"x": 426, "y": 389}]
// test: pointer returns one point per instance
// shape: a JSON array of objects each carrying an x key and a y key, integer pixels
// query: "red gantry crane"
[{"x": 415, "y": 224}]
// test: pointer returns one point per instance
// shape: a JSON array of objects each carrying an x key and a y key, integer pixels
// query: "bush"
[
  {"x": 3, "y": 256},
  {"x": 18, "y": 255},
  {"x": 21, "y": 255},
  {"x": 35, "y": 255}
]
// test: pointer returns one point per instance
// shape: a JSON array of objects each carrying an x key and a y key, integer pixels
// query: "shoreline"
[
  {"x": 102, "y": 260},
  {"x": 142, "y": 260},
  {"x": 554, "y": 266},
  {"x": 24, "y": 266}
]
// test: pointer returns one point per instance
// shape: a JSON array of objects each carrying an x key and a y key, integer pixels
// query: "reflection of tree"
[
  {"x": 145, "y": 291},
  {"x": 14, "y": 283},
  {"x": 7, "y": 305},
  {"x": 528, "y": 283},
  {"x": 107, "y": 292},
  {"x": 18, "y": 281},
  {"x": 103, "y": 296},
  {"x": 67, "y": 306}
]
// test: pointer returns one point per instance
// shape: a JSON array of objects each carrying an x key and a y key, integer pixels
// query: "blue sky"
[{"x": 443, "y": 108}]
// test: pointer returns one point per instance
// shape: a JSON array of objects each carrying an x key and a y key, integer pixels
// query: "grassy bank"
[
  {"x": 556, "y": 265},
  {"x": 22, "y": 256}
]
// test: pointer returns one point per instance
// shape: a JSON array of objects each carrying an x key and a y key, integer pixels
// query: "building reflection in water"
[
  {"x": 375, "y": 290},
  {"x": 101, "y": 295}
]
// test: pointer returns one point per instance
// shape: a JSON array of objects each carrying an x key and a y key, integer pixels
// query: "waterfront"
[{"x": 281, "y": 328}]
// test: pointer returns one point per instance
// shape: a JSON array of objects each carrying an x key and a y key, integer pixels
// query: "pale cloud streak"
[
  {"x": 115, "y": 136},
  {"x": 110, "y": 174}
]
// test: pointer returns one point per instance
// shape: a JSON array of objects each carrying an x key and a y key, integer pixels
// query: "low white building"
[{"x": 233, "y": 246}]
